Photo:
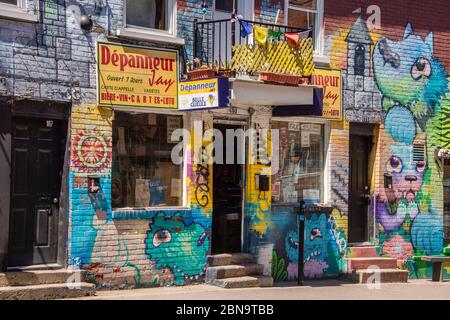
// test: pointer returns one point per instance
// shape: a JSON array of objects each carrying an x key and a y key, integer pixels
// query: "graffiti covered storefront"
[{"x": 133, "y": 217}]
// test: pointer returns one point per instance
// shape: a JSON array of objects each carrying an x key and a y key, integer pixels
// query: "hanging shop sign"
[
  {"x": 132, "y": 76},
  {"x": 203, "y": 94},
  {"x": 331, "y": 82}
]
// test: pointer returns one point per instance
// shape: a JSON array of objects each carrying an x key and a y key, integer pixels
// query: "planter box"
[
  {"x": 283, "y": 78},
  {"x": 201, "y": 74},
  {"x": 225, "y": 73}
]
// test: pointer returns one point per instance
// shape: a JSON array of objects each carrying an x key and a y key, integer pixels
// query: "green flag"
[{"x": 274, "y": 35}]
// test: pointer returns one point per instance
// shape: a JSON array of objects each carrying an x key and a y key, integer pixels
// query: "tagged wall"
[
  {"x": 56, "y": 60},
  {"x": 136, "y": 248},
  {"x": 396, "y": 76}
]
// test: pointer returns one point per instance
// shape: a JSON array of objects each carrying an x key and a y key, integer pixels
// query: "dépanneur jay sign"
[{"x": 132, "y": 76}]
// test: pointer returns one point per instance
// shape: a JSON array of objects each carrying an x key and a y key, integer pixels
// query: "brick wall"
[
  {"x": 55, "y": 60},
  {"x": 381, "y": 86}
]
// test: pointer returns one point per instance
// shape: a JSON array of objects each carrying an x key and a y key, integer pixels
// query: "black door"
[
  {"x": 227, "y": 198},
  {"x": 359, "y": 188},
  {"x": 37, "y": 158}
]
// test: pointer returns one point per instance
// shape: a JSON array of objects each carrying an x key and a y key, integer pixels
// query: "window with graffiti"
[
  {"x": 143, "y": 174},
  {"x": 301, "y": 158}
]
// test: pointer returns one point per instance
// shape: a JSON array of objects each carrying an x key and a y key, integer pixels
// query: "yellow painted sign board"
[
  {"x": 331, "y": 82},
  {"x": 132, "y": 76}
]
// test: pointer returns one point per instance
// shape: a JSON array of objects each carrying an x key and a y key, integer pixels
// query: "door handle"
[
  {"x": 55, "y": 200},
  {"x": 366, "y": 198}
]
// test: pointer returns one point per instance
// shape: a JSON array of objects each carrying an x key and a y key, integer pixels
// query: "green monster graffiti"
[{"x": 181, "y": 247}]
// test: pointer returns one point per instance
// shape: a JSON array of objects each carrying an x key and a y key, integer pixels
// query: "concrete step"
[
  {"x": 47, "y": 291},
  {"x": 232, "y": 271},
  {"x": 229, "y": 259},
  {"x": 365, "y": 263},
  {"x": 243, "y": 282},
  {"x": 40, "y": 277},
  {"x": 368, "y": 276},
  {"x": 362, "y": 252}
]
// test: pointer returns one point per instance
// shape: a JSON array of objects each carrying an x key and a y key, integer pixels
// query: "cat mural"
[
  {"x": 411, "y": 80},
  {"x": 181, "y": 247},
  {"x": 414, "y": 85},
  {"x": 398, "y": 201}
]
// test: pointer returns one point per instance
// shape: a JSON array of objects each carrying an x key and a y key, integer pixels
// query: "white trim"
[
  {"x": 165, "y": 36},
  {"x": 149, "y": 35},
  {"x": 19, "y": 12},
  {"x": 325, "y": 174},
  {"x": 321, "y": 59},
  {"x": 327, "y": 164},
  {"x": 319, "y": 34},
  {"x": 302, "y": 119},
  {"x": 248, "y": 9}
]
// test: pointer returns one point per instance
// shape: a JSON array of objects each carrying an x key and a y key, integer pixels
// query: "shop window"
[
  {"x": 301, "y": 161},
  {"x": 149, "y": 14},
  {"x": 306, "y": 14},
  {"x": 143, "y": 174}
]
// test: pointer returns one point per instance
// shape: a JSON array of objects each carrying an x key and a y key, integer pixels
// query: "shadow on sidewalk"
[{"x": 312, "y": 283}]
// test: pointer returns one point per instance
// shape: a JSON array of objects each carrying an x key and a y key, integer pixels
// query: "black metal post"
[
  {"x": 233, "y": 36},
  {"x": 301, "y": 243},
  {"x": 195, "y": 37}
]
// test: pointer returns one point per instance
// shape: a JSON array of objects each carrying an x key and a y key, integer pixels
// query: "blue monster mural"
[
  {"x": 320, "y": 249},
  {"x": 317, "y": 241},
  {"x": 191, "y": 239}
]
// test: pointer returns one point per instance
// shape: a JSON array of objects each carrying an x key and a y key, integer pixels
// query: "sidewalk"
[{"x": 314, "y": 290}]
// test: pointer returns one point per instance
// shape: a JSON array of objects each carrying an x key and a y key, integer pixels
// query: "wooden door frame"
[
  {"x": 243, "y": 124},
  {"x": 365, "y": 130},
  {"x": 53, "y": 111},
  {"x": 5, "y": 177}
]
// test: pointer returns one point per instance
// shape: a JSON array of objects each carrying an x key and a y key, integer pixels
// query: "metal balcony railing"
[{"x": 214, "y": 39}]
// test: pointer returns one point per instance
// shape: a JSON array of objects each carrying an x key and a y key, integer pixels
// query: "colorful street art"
[
  {"x": 125, "y": 247},
  {"x": 91, "y": 148},
  {"x": 324, "y": 248},
  {"x": 192, "y": 241},
  {"x": 400, "y": 84},
  {"x": 413, "y": 83}
]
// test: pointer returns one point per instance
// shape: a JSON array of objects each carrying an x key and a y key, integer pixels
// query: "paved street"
[{"x": 320, "y": 290}]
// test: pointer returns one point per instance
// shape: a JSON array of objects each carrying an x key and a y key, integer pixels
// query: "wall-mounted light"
[{"x": 86, "y": 22}]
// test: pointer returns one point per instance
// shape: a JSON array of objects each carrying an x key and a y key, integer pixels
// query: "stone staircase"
[
  {"x": 44, "y": 284},
  {"x": 363, "y": 262},
  {"x": 237, "y": 270}
]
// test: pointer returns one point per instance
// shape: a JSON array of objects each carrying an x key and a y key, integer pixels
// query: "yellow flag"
[{"x": 261, "y": 34}]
